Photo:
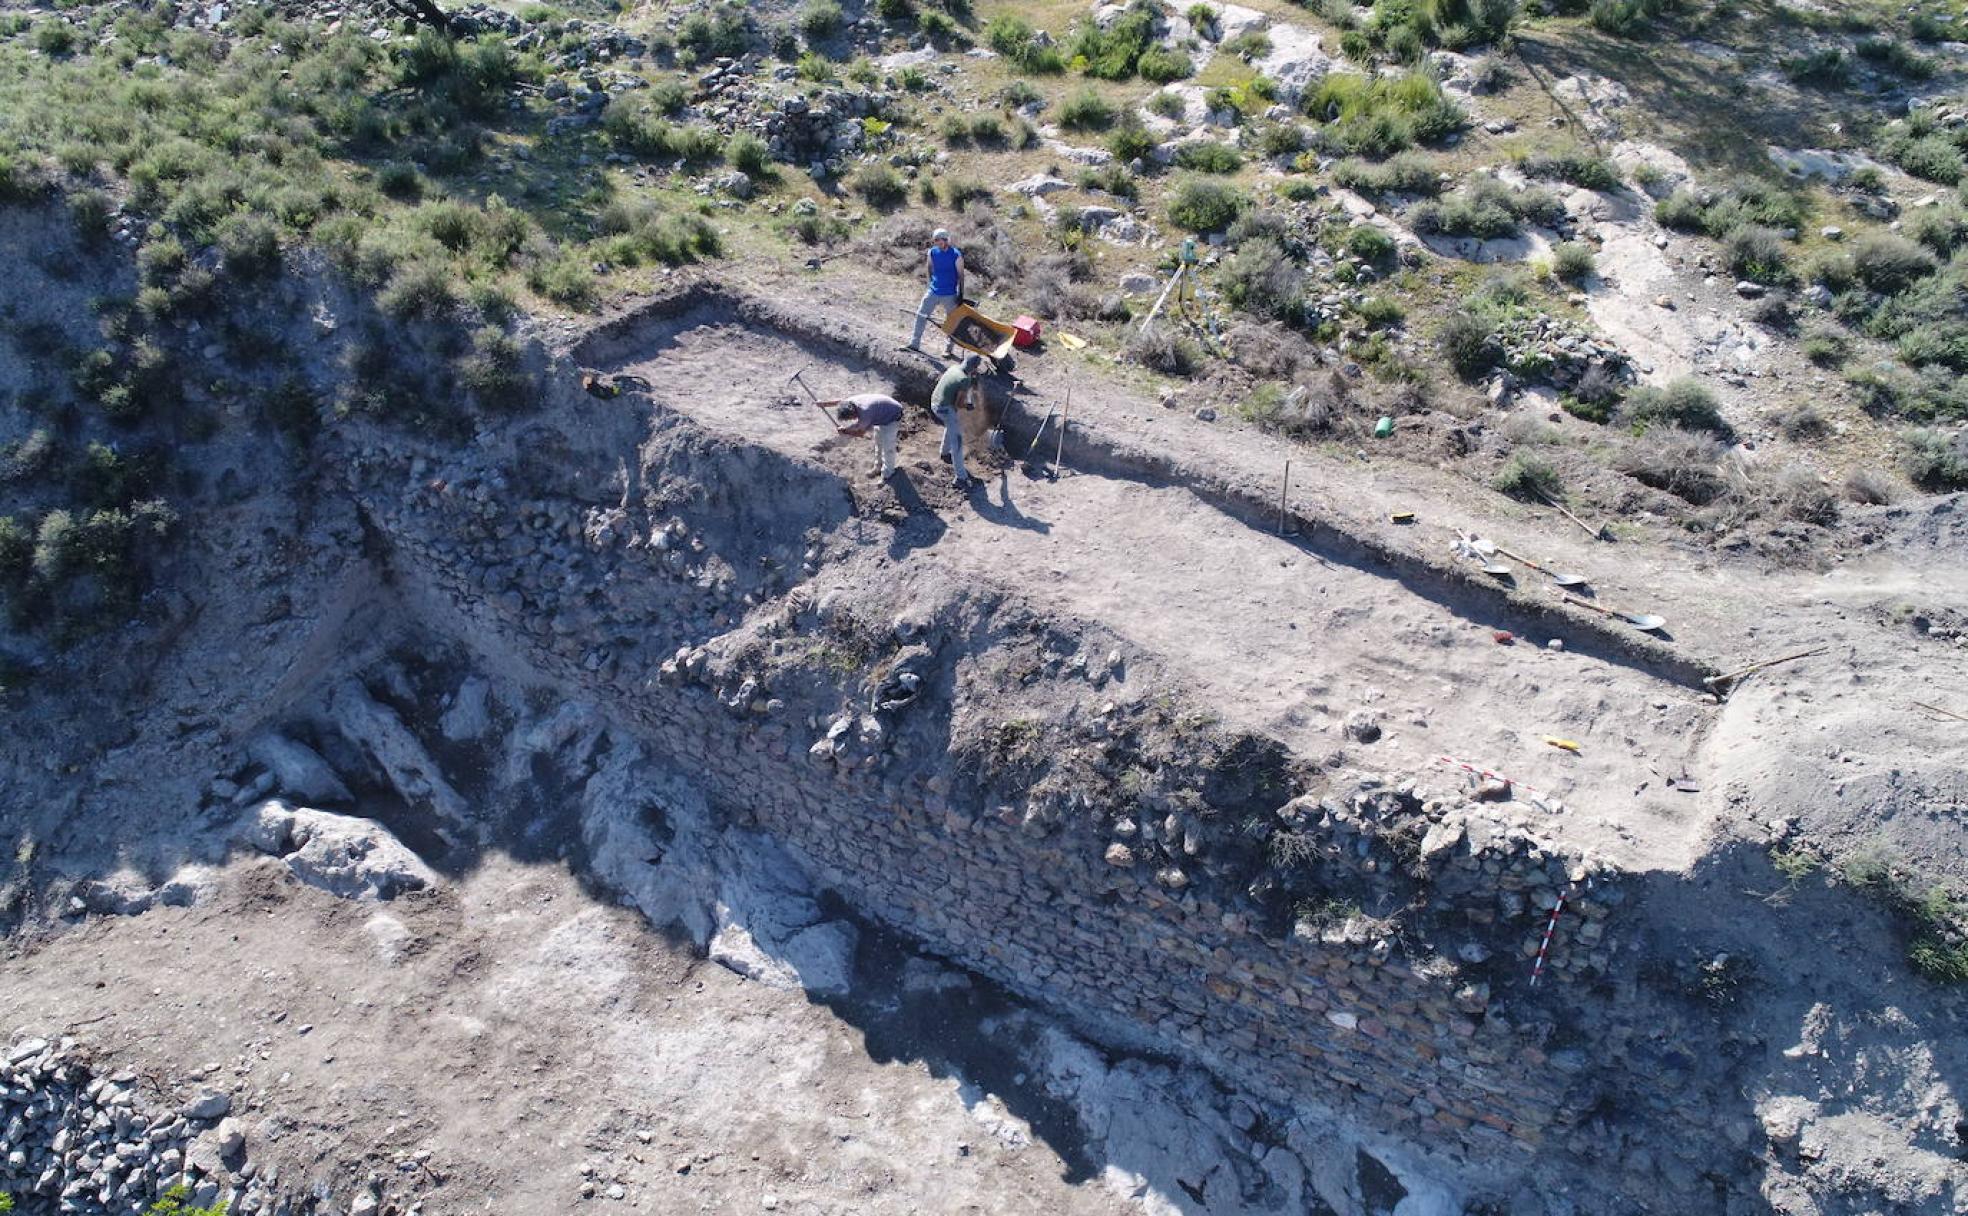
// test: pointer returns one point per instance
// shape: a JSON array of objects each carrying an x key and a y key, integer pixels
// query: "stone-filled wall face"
[{"x": 1303, "y": 1020}]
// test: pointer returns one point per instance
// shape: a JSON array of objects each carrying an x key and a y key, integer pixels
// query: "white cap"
[{"x": 941, "y": 234}]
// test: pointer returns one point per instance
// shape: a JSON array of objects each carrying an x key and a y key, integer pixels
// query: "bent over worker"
[
  {"x": 876, "y": 414},
  {"x": 957, "y": 389},
  {"x": 946, "y": 275}
]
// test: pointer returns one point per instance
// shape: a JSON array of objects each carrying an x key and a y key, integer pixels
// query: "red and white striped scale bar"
[
  {"x": 1483, "y": 772},
  {"x": 1550, "y": 927}
]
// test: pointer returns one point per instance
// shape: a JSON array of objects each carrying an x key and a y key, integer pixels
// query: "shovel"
[
  {"x": 1643, "y": 621},
  {"x": 1486, "y": 548},
  {"x": 1469, "y": 546}
]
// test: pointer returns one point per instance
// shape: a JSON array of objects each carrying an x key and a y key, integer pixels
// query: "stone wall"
[{"x": 1399, "y": 1043}]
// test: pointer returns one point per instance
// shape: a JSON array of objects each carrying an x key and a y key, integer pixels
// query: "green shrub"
[
  {"x": 1203, "y": 205},
  {"x": 1131, "y": 140},
  {"x": 1377, "y": 117},
  {"x": 814, "y": 67},
  {"x": 667, "y": 97},
  {"x": 1530, "y": 478},
  {"x": 1468, "y": 341},
  {"x": 640, "y": 231},
  {"x": 1015, "y": 39},
  {"x": 749, "y": 155},
  {"x": 1407, "y": 173},
  {"x": 880, "y": 185},
  {"x": 495, "y": 371},
  {"x": 1087, "y": 110},
  {"x": 1889, "y": 263},
  {"x": 1935, "y": 460},
  {"x": 1249, "y": 46},
  {"x": 1932, "y": 156},
  {"x": 1895, "y": 56},
  {"x": 177, "y": 1202},
  {"x": 1757, "y": 253},
  {"x": 1941, "y": 229},
  {"x": 1573, "y": 262},
  {"x": 940, "y": 28},
  {"x": 1207, "y": 156},
  {"x": 1159, "y": 65},
  {"x": 1681, "y": 211},
  {"x": 1260, "y": 278},
  {"x": 421, "y": 288},
  {"x": 720, "y": 33},
  {"x": 1111, "y": 179},
  {"x": 249, "y": 244},
  {"x": 1826, "y": 346},
  {"x": 1370, "y": 244},
  {"x": 1684, "y": 403},
  {"x": 1486, "y": 209},
  {"x": 1686, "y": 464},
  {"x": 566, "y": 279},
  {"x": 1380, "y": 312},
  {"x": 55, "y": 38},
  {"x": 820, "y": 20},
  {"x": 1115, "y": 52},
  {"x": 1825, "y": 68},
  {"x": 1573, "y": 165},
  {"x": 1168, "y": 105}
]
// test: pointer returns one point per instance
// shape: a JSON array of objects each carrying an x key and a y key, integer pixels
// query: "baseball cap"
[{"x": 941, "y": 234}]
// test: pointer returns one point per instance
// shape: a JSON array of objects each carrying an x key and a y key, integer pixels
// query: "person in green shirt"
[
  {"x": 1185, "y": 292},
  {"x": 957, "y": 389}
]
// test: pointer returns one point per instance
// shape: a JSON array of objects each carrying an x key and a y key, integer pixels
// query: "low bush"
[
  {"x": 820, "y": 20},
  {"x": 1017, "y": 41},
  {"x": 1575, "y": 165},
  {"x": 1530, "y": 478},
  {"x": 1487, "y": 209},
  {"x": 642, "y": 231},
  {"x": 720, "y": 32},
  {"x": 419, "y": 289},
  {"x": 1573, "y": 262},
  {"x": 1870, "y": 487},
  {"x": 495, "y": 371},
  {"x": 1377, "y": 117},
  {"x": 1758, "y": 254},
  {"x": 1892, "y": 55},
  {"x": 1370, "y": 245},
  {"x": 1468, "y": 341},
  {"x": 880, "y": 185},
  {"x": 1407, "y": 173},
  {"x": 1130, "y": 140},
  {"x": 1168, "y": 105},
  {"x": 1936, "y": 460},
  {"x": 1686, "y": 403},
  {"x": 1201, "y": 204},
  {"x": 1686, "y": 464},
  {"x": 1825, "y": 68},
  {"x": 1889, "y": 263},
  {"x": 1160, "y": 65},
  {"x": 567, "y": 279},
  {"x": 1112, "y": 179},
  {"x": 1261, "y": 279},
  {"x": 1826, "y": 345},
  {"x": 748, "y": 154},
  {"x": 1115, "y": 52},
  {"x": 1087, "y": 110},
  {"x": 1207, "y": 156},
  {"x": 1163, "y": 350},
  {"x": 1941, "y": 229}
]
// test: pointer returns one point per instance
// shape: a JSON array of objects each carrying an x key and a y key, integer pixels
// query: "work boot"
[
  {"x": 944, "y": 456},
  {"x": 876, "y": 472},
  {"x": 909, "y": 346}
]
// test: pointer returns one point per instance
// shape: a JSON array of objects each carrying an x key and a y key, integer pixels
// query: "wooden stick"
[
  {"x": 1598, "y": 533},
  {"x": 1059, "y": 452},
  {"x": 1946, "y": 713},
  {"x": 1284, "y": 491},
  {"x": 1731, "y": 677},
  {"x": 1163, "y": 298}
]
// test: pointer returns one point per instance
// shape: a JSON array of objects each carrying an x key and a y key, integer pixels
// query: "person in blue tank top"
[{"x": 946, "y": 271}]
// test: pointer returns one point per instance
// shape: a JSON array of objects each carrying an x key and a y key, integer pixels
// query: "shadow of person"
[
  {"x": 1004, "y": 512},
  {"x": 921, "y": 526}
]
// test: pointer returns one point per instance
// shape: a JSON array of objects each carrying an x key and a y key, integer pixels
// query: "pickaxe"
[{"x": 814, "y": 397}]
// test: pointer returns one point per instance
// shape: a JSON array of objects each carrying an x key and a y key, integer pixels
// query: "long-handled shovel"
[
  {"x": 1470, "y": 546},
  {"x": 1486, "y": 548},
  {"x": 1643, "y": 621}
]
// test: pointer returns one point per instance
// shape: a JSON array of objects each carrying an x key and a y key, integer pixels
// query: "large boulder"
[
  {"x": 341, "y": 854},
  {"x": 299, "y": 769},
  {"x": 1297, "y": 61}
]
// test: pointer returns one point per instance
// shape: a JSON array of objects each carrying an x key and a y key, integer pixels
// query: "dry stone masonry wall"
[{"x": 662, "y": 608}]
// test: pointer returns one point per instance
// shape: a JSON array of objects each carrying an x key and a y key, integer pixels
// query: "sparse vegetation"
[
  {"x": 1487, "y": 209},
  {"x": 1531, "y": 478},
  {"x": 1377, "y": 117},
  {"x": 1684, "y": 403}
]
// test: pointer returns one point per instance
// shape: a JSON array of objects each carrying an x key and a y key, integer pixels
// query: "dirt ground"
[{"x": 492, "y": 1046}]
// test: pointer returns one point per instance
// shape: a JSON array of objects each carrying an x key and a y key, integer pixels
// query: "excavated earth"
[{"x": 466, "y": 822}]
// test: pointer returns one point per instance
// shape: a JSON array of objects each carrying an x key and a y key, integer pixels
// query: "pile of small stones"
[{"x": 78, "y": 1142}]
